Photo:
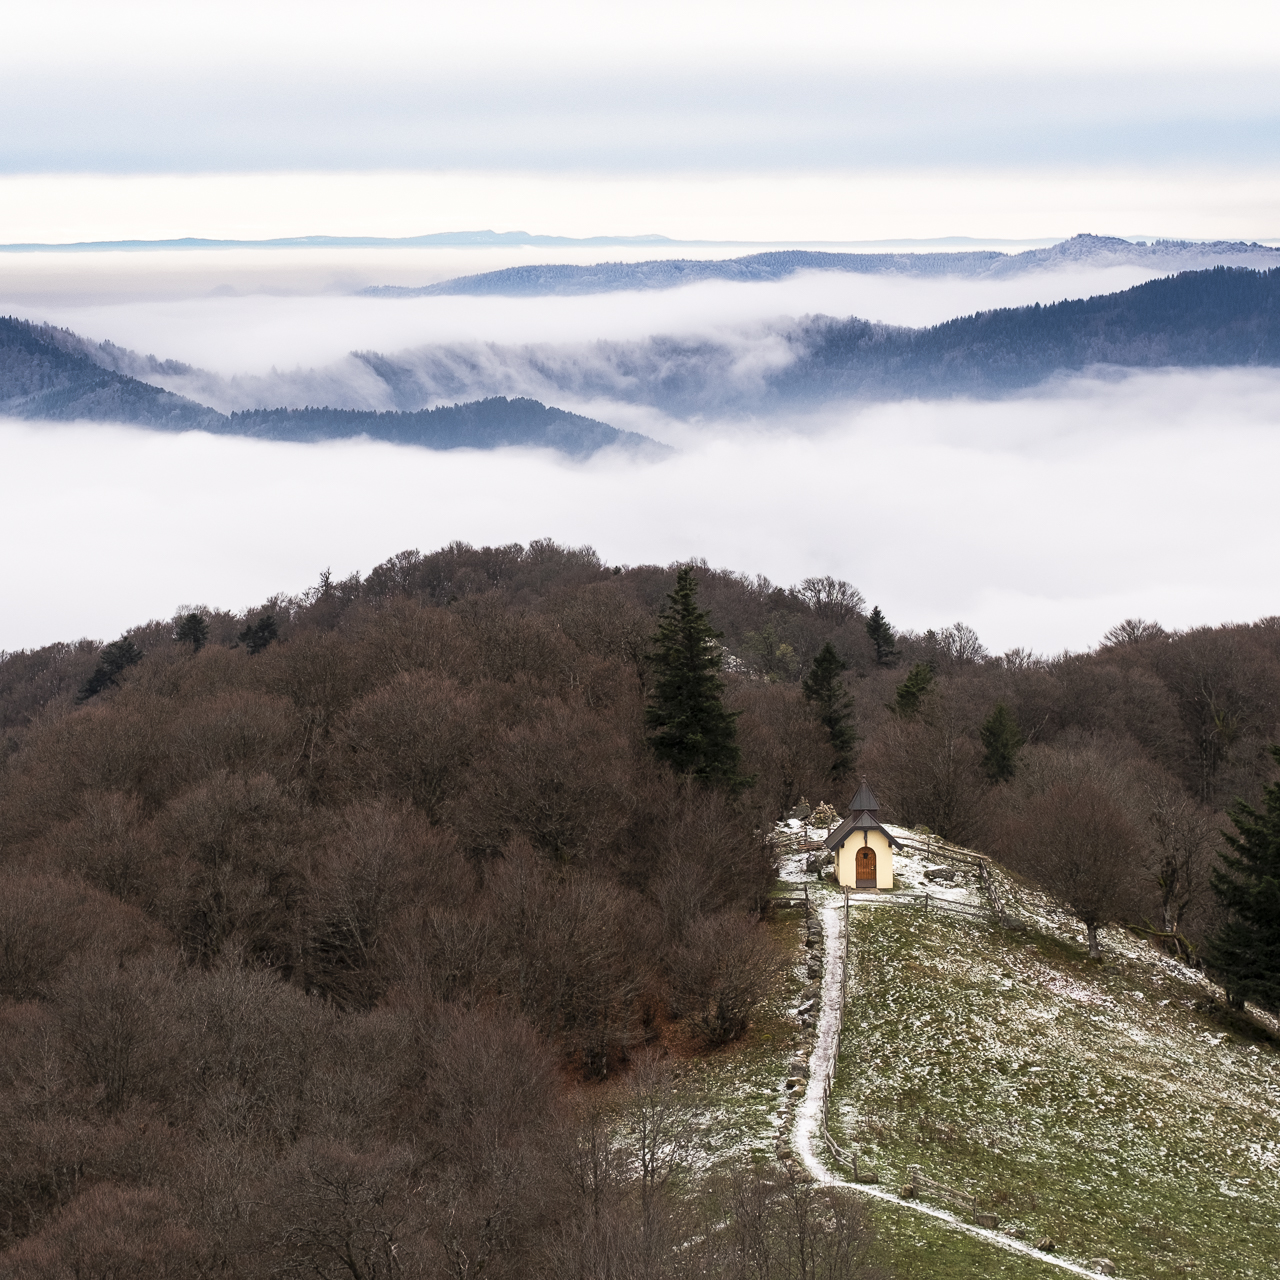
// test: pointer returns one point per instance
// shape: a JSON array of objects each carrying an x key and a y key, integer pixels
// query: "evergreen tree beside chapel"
[
  {"x": 1245, "y": 952},
  {"x": 1001, "y": 740},
  {"x": 882, "y": 637},
  {"x": 912, "y": 691},
  {"x": 824, "y": 688},
  {"x": 689, "y": 725}
]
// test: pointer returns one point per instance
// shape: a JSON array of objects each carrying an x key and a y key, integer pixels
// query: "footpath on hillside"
[{"x": 978, "y": 1054}]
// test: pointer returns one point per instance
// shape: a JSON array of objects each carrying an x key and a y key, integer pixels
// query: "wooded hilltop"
[{"x": 322, "y": 923}]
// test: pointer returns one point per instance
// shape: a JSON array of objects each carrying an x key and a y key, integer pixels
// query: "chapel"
[{"x": 863, "y": 848}]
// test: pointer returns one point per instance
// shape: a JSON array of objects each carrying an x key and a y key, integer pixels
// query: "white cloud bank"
[
  {"x": 255, "y": 334},
  {"x": 1039, "y": 521}
]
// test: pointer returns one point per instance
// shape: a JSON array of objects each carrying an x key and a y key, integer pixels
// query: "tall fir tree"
[
  {"x": 911, "y": 692},
  {"x": 824, "y": 688},
  {"x": 1245, "y": 952},
  {"x": 115, "y": 657},
  {"x": 689, "y": 726},
  {"x": 192, "y": 629},
  {"x": 256, "y": 636},
  {"x": 882, "y": 637},
  {"x": 1002, "y": 741}
]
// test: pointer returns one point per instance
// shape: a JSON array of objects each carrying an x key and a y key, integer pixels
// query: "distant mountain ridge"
[
  {"x": 1219, "y": 318},
  {"x": 443, "y": 239},
  {"x": 51, "y": 374},
  {"x": 671, "y": 273}
]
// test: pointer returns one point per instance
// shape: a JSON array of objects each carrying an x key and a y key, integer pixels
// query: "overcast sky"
[
  {"x": 894, "y": 117},
  {"x": 724, "y": 86}
]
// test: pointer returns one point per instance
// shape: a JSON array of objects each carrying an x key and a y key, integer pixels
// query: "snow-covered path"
[{"x": 807, "y": 1140}]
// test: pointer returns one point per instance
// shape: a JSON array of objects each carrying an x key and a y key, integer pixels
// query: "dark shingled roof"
[
  {"x": 864, "y": 801},
  {"x": 861, "y": 821}
]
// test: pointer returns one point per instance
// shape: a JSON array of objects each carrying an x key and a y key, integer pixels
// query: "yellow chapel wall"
[{"x": 847, "y": 853}]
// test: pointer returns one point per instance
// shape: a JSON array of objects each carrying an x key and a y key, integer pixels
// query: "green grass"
[
  {"x": 739, "y": 1092},
  {"x": 1098, "y": 1108},
  {"x": 913, "y": 1246}
]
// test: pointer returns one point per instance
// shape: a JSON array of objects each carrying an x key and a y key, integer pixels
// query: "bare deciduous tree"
[
  {"x": 1079, "y": 844},
  {"x": 725, "y": 967},
  {"x": 1185, "y": 837},
  {"x": 832, "y": 599}
]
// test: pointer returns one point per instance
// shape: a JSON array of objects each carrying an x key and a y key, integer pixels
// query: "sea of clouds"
[
  {"x": 1040, "y": 520},
  {"x": 646, "y": 360}
]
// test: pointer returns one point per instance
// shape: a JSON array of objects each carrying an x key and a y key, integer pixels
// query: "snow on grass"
[
  {"x": 738, "y": 1095},
  {"x": 1098, "y": 1105},
  {"x": 1091, "y": 1104}
]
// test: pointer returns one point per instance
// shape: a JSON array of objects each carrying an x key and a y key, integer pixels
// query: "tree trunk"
[{"x": 1095, "y": 952}]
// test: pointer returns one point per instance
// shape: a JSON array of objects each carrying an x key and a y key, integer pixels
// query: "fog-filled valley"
[
  {"x": 1039, "y": 520},
  {"x": 1039, "y": 517}
]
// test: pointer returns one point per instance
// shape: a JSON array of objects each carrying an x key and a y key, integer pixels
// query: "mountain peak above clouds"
[
  {"x": 1086, "y": 250},
  {"x": 1105, "y": 251}
]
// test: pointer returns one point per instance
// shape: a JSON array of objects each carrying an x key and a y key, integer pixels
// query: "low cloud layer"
[
  {"x": 593, "y": 354},
  {"x": 1039, "y": 521},
  {"x": 253, "y": 334}
]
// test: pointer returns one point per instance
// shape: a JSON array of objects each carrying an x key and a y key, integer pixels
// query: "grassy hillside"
[
  {"x": 1107, "y": 1107},
  {"x": 271, "y": 912},
  {"x": 741, "y": 1102}
]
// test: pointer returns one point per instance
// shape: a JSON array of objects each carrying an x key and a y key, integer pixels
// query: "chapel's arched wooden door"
[{"x": 864, "y": 868}]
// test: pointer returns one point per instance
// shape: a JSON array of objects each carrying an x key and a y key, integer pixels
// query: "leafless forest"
[{"x": 340, "y": 951}]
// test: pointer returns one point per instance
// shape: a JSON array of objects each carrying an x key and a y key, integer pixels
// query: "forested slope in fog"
[
  {"x": 1220, "y": 318},
  {"x": 1224, "y": 317},
  {"x": 54, "y": 375}
]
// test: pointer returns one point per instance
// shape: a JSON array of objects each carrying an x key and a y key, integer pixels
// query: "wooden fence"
[
  {"x": 929, "y": 901},
  {"x": 922, "y": 1186}
]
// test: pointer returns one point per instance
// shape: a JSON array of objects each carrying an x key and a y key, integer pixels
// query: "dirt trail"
[{"x": 807, "y": 1140}]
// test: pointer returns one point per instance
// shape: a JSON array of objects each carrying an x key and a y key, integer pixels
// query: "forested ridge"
[
  {"x": 325, "y": 926},
  {"x": 541, "y": 279},
  {"x": 1224, "y": 316},
  {"x": 52, "y": 374}
]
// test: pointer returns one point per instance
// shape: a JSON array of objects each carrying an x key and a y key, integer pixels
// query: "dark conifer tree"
[
  {"x": 114, "y": 658},
  {"x": 690, "y": 728},
  {"x": 257, "y": 635},
  {"x": 912, "y": 690},
  {"x": 882, "y": 637},
  {"x": 1002, "y": 740},
  {"x": 1245, "y": 952},
  {"x": 824, "y": 688},
  {"x": 193, "y": 629}
]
